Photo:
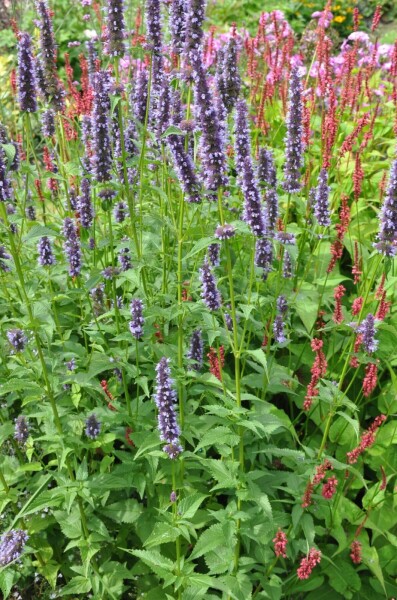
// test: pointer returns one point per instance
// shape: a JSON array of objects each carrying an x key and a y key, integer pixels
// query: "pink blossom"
[{"x": 308, "y": 563}]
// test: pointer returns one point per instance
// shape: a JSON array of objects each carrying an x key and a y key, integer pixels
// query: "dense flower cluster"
[
  {"x": 366, "y": 441},
  {"x": 308, "y": 563},
  {"x": 92, "y": 427},
  {"x": 12, "y": 545},
  {"x": 165, "y": 399}
]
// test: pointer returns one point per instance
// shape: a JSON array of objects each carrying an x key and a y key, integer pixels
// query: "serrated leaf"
[
  {"x": 77, "y": 585},
  {"x": 162, "y": 534},
  {"x": 189, "y": 506},
  {"x": 159, "y": 564},
  {"x": 7, "y": 578},
  {"x": 124, "y": 511},
  {"x": 218, "y": 435},
  {"x": 211, "y": 538}
]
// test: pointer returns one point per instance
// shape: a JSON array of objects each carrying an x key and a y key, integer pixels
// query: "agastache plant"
[
  {"x": 209, "y": 291},
  {"x": 100, "y": 128},
  {"x": 177, "y": 23},
  {"x": 228, "y": 76},
  {"x": 137, "y": 320},
  {"x": 321, "y": 204},
  {"x": 72, "y": 247},
  {"x": 85, "y": 205},
  {"x": 46, "y": 256},
  {"x": 116, "y": 26},
  {"x": 12, "y": 545},
  {"x": 27, "y": 90},
  {"x": 165, "y": 399},
  {"x": 387, "y": 238},
  {"x": 51, "y": 85},
  {"x": 196, "y": 350},
  {"x": 293, "y": 139}
]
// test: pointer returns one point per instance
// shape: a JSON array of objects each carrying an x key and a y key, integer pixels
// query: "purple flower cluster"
[
  {"x": 92, "y": 427},
  {"x": 30, "y": 213},
  {"x": 228, "y": 76},
  {"x": 285, "y": 238},
  {"x": 120, "y": 212},
  {"x": 387, "y": 237},
  {"x": 124, "y": 259},
  {"x": 184, "y": 167},
  {"x": 21, "y": 431},
  {"x": 287, "y": 265},
  {"x": 293, "y": 139},
  {"x": 115, "y": 26},
  {"x": 155, "y": 40},
  {"x": 51, "y": 86},
  {"x": 27, "y": 90},
  {"x": 209, "y": 292},
  {"x": 137, "y": 320},
  {"x": 211, "y": 147},
  {"x": 196, "y": 350},
  {"x": 5, "y": 184},
  {"x": 110, "y": 273},
  {"x": 321, "y": 200},
  {"x": 46, "y": 257},
  {"x": 17, "y": 339},
  {"x": 368, "y": 331},
  {"x": 253, "y": 214},
  {"x": 194, "y": 31},
  {"x": 177, "y": 24},
  {"x": 225, "y": 232},
  {"x": 4, "y": 256},
  {"x": 165, "y": 398},
  {"x": 279, "y": 325},
  {"x": 48, "y": 123},
  {"x": 264, "y": 255},
  {"x": 213, "y": 254},
  {"x": 71, "y": 247},
  {"x": 267, "y": 173},
  {"x": 11, "y": 546},
  {"x": 85, "y": 205},
  {"x": 100, "y": 127}
]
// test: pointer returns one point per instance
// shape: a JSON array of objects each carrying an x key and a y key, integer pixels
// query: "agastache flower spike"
[
  {"x": 155, "y": 39},
  {"x": 177, "y": 23},
  {"x": 211, "y": 144},
  {"x": 137, "y": 320},
  {"x": 213, "y": 254},
  {"x": 387, "y": 237},
  {"x": 209, "y": 291},
  {"x": 264, "y": 255},
  {"x": 367, "y": 329},
  {"x": 100, "y": 127},
  {"x": 194, "y": 31},
  {"x": 17, "y": 339},
  {"x": 92, "y": 427},
  {"x": 321, "y": 205},
  {"x": 165, "y": 398},
  {"x": 72, "y": 247},
  {"x": 196, "y": 350},
  {"x": 228, "y": 77},
  {"x": 27, "y": 90},
  {"x": 48, "y": 123},
  {"x": 267, "y": 174},
  {"x": 85, "y": 205},
  {"x": 11, "y": 546},
  {"x": 51, "y": 86},
  {"x": 124, "y": 259},
  {"x": 184, "y": 167},
  {"x": 5, "y": 183},
  {"x": 4, "y": 256},
  {"x": 21, "y": 432},
  {"x": 293, "y": 139},
  {"x": 116, "y": 26},
  {"x": 46, "y": 257},
  {"x": 120, "y": 212}
]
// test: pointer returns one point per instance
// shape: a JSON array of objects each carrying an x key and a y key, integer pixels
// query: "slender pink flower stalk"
[
  {"x": 308, "y": 563},
  {"x": 367, "y": 440},
  {"x": 280, "y": 544},
  {"x": 355, "y": 552}
]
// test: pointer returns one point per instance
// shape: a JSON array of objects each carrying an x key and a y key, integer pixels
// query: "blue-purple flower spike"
[
  {"x": 116, "y": 27},
  {"x": 293, "y": 139},
  {"x": 17, "y": 339},
  {"x": 321, "y": 201},
  {"x": 165, "y": 398},
  {"x": 387, "y": 237},
  {"x": 213, "y": 254},
  {"x": 4, "y": 256},
  {"x": 155, "y": 39},
  {"x": 368, "y": 331},
  {"x": 196, "y": 350},
  {"x": 228, "y": 76},
  {"x": 209, "y": 292},
  {"x": 85, "y": 205},
  {"x": 27, "y": 88},
  {"x": 46, "y": 257},
  {"x": 264, "y": 255},
  {"x": 72, "y": 247},
  {"x": 48, "y": 123},
  {"x": 92, "y": 427},
  {"x": 137, "y": 320},
  {"x": 21, "y": 432},
  {"x": 12, "y": 545},
  {"x": 100, "y": 128},
  {"x": 194, "y": 31},
  {"x": 177, "y": 24},
  {"x": 51, "y": 85},
  {"x": 5, "y": 184}
]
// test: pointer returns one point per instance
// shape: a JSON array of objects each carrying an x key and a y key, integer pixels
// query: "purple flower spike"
[
  {"x": 17, "y": 339},
  {"x": 116, "y": 26},
  {"x": 211, "y": 142},
  {"x": 27, "y": 89},
  {"x": 278, "y": 330},
  {"x": 85, "y": 205},
  {"x": 11, "y": 546},
  {"x": 72, "y": 247},
  {"x": 321, "y": 201},
  {"x": 213, "y": 254},
  {"x": 46, "y": 256},
  {"x": 225, "y": 232},
  {"x": 177, "y": 24},
  {"x": 30, "y": 213},
  {"x": 196, "y": 350},
  {"x": 184, "y": 167},
  {"x": 194, "y": 22},
  {"x": 48, "y": 123},
  {"x": 368, "y": 331},
  {"x": 387, "y": 237},
  {"x": 21, "y": 432},
  {"x": 287, "y": 265},
  {"x": 120, "y": 212},
  {"x": 288, "y": 239},
  {"x": 209, "y": 291},
  {"x": 51, "y": 86},
  {"x": 282, "y": 306},
  {"x": 93, "y": 427},
  {"x": 137, "y": 320},
  {"x": 5, "y": 183},
  {"x": 293, "y": 139},
  {"x": 100, "y": 127},
  {"x": 264, "y": 255},
  {"x": 165, "y": 398},
  {"x": 4, "y": 256},
  {"x": 124, "y": 259},
  {"x": 228, "y": 77},
  {"x": 267, "y": 174}
]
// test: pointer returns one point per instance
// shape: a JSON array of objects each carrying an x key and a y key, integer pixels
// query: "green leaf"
[
  {"x": 211, "y": 538},
  {"x": 217, "y": 436},
  {"x": 172, "y": 130},
  {"x": 189, "y": 506},
  {"x": 343, "y": 578},
  {"x": 7, "y": 579},
  {"x": 162, "y": 534},
  {"x": 161, "y": 565},
  {"x": 124, "y": 511},
  {"x": 77, "y": 585}
]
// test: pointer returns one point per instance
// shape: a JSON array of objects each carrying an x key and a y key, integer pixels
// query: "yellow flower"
[{"x": 339, "y": 19}]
